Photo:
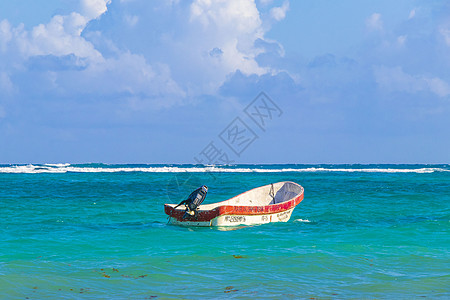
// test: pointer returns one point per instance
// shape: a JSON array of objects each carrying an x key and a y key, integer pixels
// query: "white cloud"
[
  {"x": 93, "y": 9},
  {"x": 396, "y": 80},
  {"x": 446, "y": 35},
  {"x": 61, "y": 36},
  {"x": 130, "y": 73},
  {"x": 218, "y": 38},
  {"x": 228, "y": 27},
  {"x": 5, "y": 34},
  {"x": 279, "y": 13},
  {"x": 61, "y": 40},
  {"x": 131, "y": 20},
  {"x": 232, "y": 16},
  {"x": 401, "y": 40},
  {"x": 374, "y": 22},
  {"x": 438, "y": 86},
  {"x": 6, "y": 85}
]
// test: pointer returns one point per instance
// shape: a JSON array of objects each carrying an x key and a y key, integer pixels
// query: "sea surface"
[{"x": 97, "y": 231}]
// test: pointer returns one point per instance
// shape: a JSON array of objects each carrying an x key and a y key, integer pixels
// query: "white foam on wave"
[
  {"x": 303, "y": 221},
  {"x": 65, "y": 168},
  {"x": 57, "y": 165}
]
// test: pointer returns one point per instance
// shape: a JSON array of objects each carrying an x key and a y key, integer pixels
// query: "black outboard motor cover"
[
  {"x": 196, "y": 198},
  {"x": 193, "y": 201}
]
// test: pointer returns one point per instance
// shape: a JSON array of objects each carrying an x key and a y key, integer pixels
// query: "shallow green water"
[{"x": 90, "y": 234}]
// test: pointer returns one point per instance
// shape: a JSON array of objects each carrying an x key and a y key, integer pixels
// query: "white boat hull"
[{"x": 236, "y": 220}]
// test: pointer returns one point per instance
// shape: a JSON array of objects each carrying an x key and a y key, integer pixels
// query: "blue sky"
[{"x": 135, "y": 81}]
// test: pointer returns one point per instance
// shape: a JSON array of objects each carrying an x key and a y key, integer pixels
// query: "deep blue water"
[{"x": 99, "y": 232}]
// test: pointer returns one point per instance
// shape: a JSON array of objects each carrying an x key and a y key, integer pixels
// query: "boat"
[{"x": 270, "y": 203}]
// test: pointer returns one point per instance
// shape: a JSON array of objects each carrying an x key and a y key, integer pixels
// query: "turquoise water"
[{"x": 99, "y": 232}]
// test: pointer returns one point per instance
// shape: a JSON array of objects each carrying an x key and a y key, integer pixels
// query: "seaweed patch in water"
[{"x": 230, "y": 289}]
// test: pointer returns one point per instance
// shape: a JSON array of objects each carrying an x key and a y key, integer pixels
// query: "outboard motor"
[{"x": 193, "y": 201}]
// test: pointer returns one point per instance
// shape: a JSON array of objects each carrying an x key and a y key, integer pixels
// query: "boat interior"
[{"x": 266, "y": 195}]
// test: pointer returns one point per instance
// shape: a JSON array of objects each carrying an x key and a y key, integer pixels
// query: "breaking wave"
[{"x": 101, "y": 168}]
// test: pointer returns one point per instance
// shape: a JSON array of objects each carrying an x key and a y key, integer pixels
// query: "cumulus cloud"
[
  {"x": 129, "y": 74},
  {"x": 61, "y": 36},
  {"x": 279, "y": 13},
  {"x": 219, "y": 38},
  {"x": 227, "y": 32},
  {"x": 70, "y": 64},
  {"x": 93, "y": 9},
  {"x": 374, "y": 22},
  {"x": 241, "y": 16},
  {"x": 396, "y": 80}
]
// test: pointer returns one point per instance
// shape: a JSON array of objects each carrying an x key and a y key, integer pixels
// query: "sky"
[{"x": 215, "y": 81}]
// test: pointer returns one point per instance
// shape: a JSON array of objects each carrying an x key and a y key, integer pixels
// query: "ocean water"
[{"x": 99, "y": 231}]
